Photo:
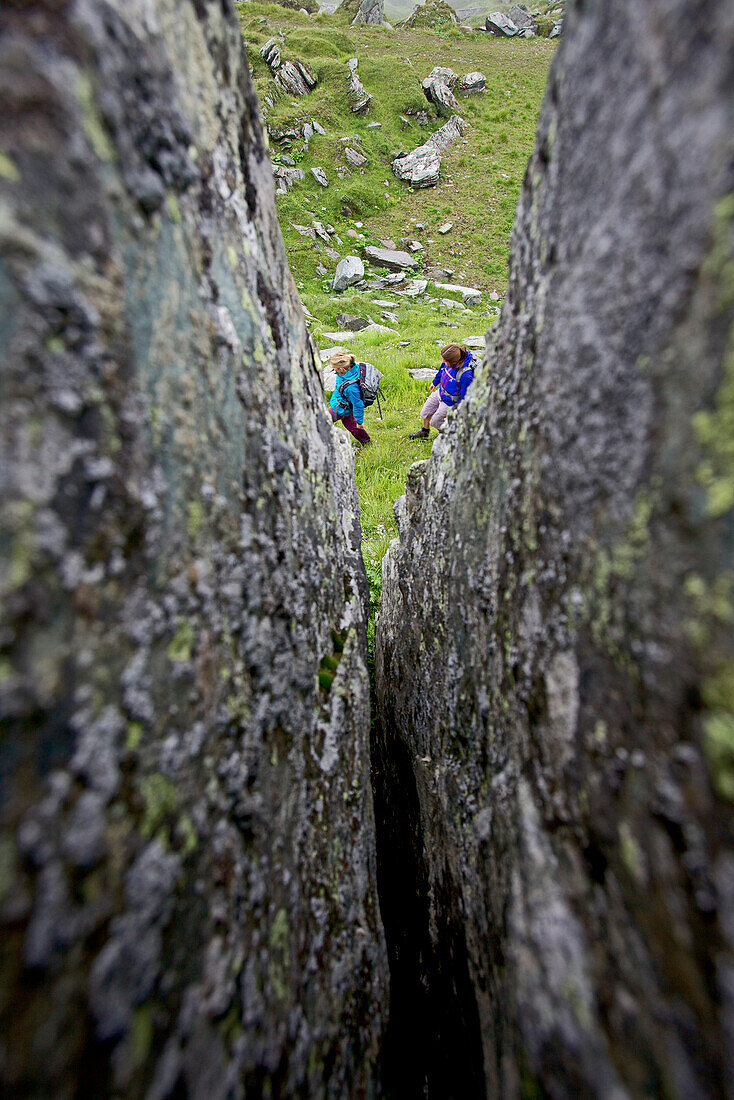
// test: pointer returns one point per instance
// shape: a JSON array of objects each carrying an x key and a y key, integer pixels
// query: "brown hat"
[
  {"x": 341, "y": 360},
  {"x": 453, "y": 354}
]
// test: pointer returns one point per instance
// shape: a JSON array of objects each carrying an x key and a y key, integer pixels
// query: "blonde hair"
[{"x": 341, "y": 360}]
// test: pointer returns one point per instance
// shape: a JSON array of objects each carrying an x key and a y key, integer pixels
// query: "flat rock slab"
[
  {"x": 392, "y": 259},
  {"x": 474, "y": 342},
  {"x": 338, "y": 337},
  {"x": 422, "y": 374},
  {"x": 468, "y": 293},
  {"x": 384, "y": 303},
  {"x": 355, "y": 158},
  {"x": 414, "y": 288},
  {"x": 325, "y": 353}
]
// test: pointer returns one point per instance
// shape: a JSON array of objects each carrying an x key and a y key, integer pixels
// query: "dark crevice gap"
[{"x": 432, "y": 1046}]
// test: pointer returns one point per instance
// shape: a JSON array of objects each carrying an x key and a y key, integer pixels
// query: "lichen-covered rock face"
[
  {"x": 187, "y": 880},
  {"x": 555, "y": 656}
]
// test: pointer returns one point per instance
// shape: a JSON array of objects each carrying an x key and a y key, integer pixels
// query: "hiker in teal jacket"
[{"x": 346, "y": 401}]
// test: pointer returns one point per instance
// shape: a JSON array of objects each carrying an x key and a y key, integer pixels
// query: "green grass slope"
[{"x": 480, "y": 181}]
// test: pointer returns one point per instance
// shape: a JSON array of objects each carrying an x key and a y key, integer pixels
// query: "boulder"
[
  {"x": 554, "y": 763},
  {"x": 320, "y": 176},
  {"x": 422, "y": 374},
  {"x": 450, "y": 132},
  {"x": 499, "y": 25},
  {"x": 440, "y": 96},
  {"x": 471, "y": 83},
  {"x": 349, "y": 321},
  {"x": 557, "y": 29},
  {"x": 348, "y": 272},
  {"x": 370, "y": 12},
  {"x": 421, "y": 168},
  {"x": 392, "y": 259},
  {"x": 188, "y": 901},
  {"x": 444, "y": 76},
  {"x": 520, "y": 16}
]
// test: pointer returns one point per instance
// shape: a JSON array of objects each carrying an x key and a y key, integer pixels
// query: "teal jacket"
[{"x": 346, "y": 400}]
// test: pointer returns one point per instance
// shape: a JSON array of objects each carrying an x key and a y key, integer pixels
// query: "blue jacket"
[
  {"x": 346, "y": 400},
  {"x": 451, "y": 391}
]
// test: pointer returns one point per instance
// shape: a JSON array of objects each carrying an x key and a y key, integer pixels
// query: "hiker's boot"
[{"x": 422, "y": 433}]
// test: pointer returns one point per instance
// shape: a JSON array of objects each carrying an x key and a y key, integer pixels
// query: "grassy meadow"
[{"x": 481, "y": 177}]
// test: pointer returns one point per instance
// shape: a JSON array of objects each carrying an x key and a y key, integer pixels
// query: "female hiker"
[
  {"x": 448, "y": 388},
  {"x": 346, "y": 401}
]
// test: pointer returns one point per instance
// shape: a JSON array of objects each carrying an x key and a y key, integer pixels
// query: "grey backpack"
[{"x": 369, "y": 385}]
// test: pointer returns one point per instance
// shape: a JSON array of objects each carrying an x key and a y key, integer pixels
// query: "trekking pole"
[{"x": 379, "y": 391}]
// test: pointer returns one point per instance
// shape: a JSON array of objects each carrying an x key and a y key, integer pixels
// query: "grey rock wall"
[
  {"x": 187, "y": 867},
  {"x": 555, "y": 653}
]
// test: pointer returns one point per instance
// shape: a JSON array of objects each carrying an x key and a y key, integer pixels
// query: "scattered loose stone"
[
  {"x": 421, "y": 374},
  {"x": 320, "y": 176},
  {"x": 474, "y": 342},
  {"x": 374, "y": 125},
  {"x": 304, "y": 230},
  {"x": 390, "y": 317},
  {"x": 446, "y": 228},
  {"x": 320, "y": 231},
  {"x": 348, "y": 272},
  {"x": 403, "y": 343},
  {"x": 359, "y": 97},
  {"x": 383, "y": 302},
  {"x": 415, "y": 246},
  {"x": 494, "y": 296},
  {"x": 356, "y": 159},
  {"x": 392, "y": 259},
  {"x": 317, "y": 127},
  {"x": 286, "y": 177}
]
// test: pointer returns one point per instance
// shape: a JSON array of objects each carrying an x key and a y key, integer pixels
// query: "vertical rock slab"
[
  {"x": 187, "y": 892},
  {"x": 555, "y": 646}
]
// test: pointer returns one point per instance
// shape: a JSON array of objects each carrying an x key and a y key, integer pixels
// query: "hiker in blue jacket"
[
  {"x": 448, "y": 388},
  {"x": 346, "y": 400}
]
